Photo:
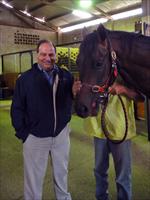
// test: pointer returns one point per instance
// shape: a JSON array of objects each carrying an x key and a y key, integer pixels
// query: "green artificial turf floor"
[{"x": 81, "y": 178}]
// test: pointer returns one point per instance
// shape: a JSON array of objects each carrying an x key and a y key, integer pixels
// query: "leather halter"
[
  {"x": 102, "y": 91},
  {"x": 111, "y": 78}
]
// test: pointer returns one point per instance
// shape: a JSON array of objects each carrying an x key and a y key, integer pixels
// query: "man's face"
[{"x": 46, "y": 56}]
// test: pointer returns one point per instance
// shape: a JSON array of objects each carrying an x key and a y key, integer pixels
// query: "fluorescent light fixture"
[
  {"x": 85, "y": 24},
  {"x": 85, "y": 3},
  {"x": 40, "y": 19},
  {"x": 126, "y": 14},
  {"x": 6, "y": 4},
  {"x": 25, "y": 12},
  {"x": 81, "y": 14}
]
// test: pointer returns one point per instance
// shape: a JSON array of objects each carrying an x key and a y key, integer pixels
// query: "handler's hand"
[
  {"x": 76, "y": 87},
  {"x": 117, "y": 89},
  {"x": 130, "y": 93}
]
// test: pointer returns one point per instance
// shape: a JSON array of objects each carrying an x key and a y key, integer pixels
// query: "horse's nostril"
[{"x": 82, "y": 110}]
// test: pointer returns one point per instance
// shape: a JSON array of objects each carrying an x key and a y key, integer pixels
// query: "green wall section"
[
  {"x": 11, "y": 63},
  {"x": 127, "y": 24},
  {"x": 66, "y": 57}
]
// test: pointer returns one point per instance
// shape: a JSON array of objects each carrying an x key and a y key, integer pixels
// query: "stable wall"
[{"x": 16, "y": 39}]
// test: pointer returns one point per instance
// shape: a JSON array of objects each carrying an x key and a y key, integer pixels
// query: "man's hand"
[
  {"x": 76, "y": 87},
  {"x": 117, "y": 88}
]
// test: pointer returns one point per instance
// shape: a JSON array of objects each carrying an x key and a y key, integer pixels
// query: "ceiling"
[{"x": 58, "y": 13}]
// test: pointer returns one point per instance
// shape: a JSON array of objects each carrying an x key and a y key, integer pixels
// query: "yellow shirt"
[{"x": 114, "y": 120}]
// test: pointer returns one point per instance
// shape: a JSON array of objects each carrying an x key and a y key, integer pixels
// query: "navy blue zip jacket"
[{"x": 32, "y": 109}]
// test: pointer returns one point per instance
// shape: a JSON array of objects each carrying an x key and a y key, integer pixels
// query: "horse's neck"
[
  {"x": 133, "y": 60},
  {"x": 134, "y": 50}
]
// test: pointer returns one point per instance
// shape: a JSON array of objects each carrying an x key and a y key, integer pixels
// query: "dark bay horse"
[{"x": 102, "y": 55}]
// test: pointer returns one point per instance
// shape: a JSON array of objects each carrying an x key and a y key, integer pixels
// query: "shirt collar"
[{"x": 41, "y": 69}]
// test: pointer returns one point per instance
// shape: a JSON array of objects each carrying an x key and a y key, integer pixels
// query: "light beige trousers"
[{"x": 36, "y": 152}]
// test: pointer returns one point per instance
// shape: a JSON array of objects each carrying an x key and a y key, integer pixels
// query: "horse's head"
[{"x": 95, "y": 69}]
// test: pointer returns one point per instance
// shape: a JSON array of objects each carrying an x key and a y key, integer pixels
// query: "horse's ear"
[
  {"x": 84, "y": 32},
  {"x": 102, "y": 32}
]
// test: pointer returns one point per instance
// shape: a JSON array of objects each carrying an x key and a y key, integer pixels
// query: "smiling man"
[
  {"x": 41, "y": 111},
  {"x": 46, "y": 55}
]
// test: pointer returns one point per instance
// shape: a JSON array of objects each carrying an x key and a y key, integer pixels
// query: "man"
[
  {"x": 40, "y": 111},
  {"x": 121, "y": 153}
]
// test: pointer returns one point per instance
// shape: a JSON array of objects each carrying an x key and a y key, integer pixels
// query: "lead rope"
[{"x": 104, "y": 128}]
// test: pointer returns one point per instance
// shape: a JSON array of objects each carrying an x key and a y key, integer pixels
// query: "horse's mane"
[
  {"x": 90, "y": 42},
  {"x": 129, "y": 36}
]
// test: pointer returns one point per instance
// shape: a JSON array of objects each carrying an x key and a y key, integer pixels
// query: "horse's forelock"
[
  {"x": 90, "y": 42},
  {"x": 88, "y": 48},
  {"x": 102, "y": 32}
]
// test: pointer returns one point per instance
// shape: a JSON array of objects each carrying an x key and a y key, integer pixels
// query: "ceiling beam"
[
  {"x": 132, "y": 7},
  {"x": 79, "y": 22},
  {"x": 22, "y": 19},
  {"x": 102, "y": 12},
  {"x": 17, "y": 16},
  {"x": 57, "y": 16},
  {"x": 36, "y": 7},
  {"x": 14, "y": 10},
  {"x": 47, "y": 1}
]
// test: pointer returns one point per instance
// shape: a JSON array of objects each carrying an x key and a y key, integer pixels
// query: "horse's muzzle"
[
  {"x": 81, "y": 110},
  {"x": 84, "y": 111}
]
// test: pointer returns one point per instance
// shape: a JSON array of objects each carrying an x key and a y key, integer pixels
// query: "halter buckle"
[
  {"x": 113, "y": 55},
  {"x": 97, "y": 89},
  {"x": 103, "y": 98}
]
